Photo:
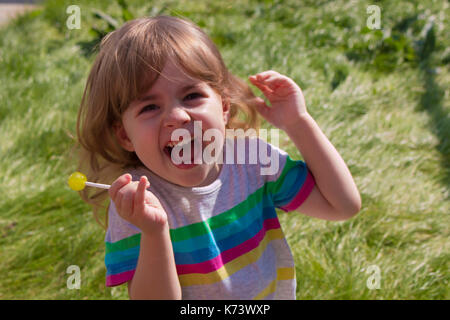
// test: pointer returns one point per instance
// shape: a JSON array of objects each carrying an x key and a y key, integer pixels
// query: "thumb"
[{"x": 262, "y": 107}]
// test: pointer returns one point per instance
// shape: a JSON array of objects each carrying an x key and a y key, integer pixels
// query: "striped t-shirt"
[{"x": 226, "y": 237}]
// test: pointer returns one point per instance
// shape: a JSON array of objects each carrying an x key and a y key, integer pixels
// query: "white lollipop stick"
[{"x": 97, "y": 185}]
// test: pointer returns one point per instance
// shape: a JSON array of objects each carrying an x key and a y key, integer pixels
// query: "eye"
[
  {"x": 194, "y": 95},
  {"x": 149, "y": 107}
]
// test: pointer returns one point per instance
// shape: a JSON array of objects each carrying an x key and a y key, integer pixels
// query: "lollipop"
[{"x": 78, "y": 181}]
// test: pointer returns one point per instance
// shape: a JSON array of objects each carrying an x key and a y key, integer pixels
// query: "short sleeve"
[
  {"x": 122, "y": 243},
  {"x": 291, "y": 184}
]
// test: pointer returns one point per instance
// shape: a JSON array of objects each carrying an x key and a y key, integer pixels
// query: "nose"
[{"x": 176, "y": 116}]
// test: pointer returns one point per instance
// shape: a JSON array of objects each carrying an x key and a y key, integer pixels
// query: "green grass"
[{"x": 382, "y": 101}]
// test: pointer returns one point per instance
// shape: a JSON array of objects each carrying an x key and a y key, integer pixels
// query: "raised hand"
[{"x": 285, "y": 96}]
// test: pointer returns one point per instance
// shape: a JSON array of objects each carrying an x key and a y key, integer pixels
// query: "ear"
[
  {"x": 226, "y": 107},
  {"x": 122, "y": 136}
]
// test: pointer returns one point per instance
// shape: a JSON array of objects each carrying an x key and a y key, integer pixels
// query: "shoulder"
[{"x": 254, "y": 160}]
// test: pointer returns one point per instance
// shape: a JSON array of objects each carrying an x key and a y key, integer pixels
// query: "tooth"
[{"x": 181, "y": 144}]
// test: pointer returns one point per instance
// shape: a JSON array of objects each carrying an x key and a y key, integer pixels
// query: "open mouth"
[{"x": 181, "y": 144}]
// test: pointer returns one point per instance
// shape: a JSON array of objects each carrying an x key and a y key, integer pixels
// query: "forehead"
[
  {"x": 172, "y": 74},
  {"x": 171, "y": 78}
]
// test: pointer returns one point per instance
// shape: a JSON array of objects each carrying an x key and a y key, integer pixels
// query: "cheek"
[
  {"x": 148, "y": 152},
  {"x": 215, "y": 115},
  {"x": 144, "y": 140}
]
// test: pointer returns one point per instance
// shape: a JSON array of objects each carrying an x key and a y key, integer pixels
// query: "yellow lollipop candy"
[{"x": 78, "y": 181}]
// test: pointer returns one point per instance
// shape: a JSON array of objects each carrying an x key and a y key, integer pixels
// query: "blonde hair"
[{"x": 129, "y": 62}]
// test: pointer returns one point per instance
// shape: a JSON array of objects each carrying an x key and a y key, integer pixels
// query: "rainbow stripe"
[
  {"x": 210, "y": 251},
  {"x": 282, "y": 274}
]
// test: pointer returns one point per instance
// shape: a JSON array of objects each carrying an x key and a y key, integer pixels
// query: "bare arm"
[
  {"x": 336, "y": 197},
  {"x": 156, "y": 275}
]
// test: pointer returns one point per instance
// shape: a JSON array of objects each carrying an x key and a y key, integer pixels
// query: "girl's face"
[{"x": 175, "y": 101}]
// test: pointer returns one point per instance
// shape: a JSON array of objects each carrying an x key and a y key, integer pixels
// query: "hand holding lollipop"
[
  {"x": 133, "y": 201},
  {"x": 137, "y": 205}
]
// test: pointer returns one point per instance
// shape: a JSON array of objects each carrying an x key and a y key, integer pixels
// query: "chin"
[{"x": 192, "y": 180}]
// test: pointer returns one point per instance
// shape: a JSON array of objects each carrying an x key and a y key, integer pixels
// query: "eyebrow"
[{"x": 156, "y": 96}]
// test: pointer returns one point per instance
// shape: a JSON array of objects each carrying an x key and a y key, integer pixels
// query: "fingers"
[
  {"x": 139, "y": 198},
  {"x": 128, "y": 195},
  {"x": 125, "y": 205},
  {"x": 265, "y": 76},
  {"x": 269, "y": 80},
  {"x": 262, "y": 107},
  {"x": 118, "y": 184},
  {"x": 276, "y": 87},
  {"x": 258, "y": 82}
]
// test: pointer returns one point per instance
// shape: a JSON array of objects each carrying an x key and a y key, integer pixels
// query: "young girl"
[{"x": 205, "y": 230}]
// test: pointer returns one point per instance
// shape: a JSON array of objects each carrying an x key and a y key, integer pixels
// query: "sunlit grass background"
[{"x": 380, "y": 96}]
